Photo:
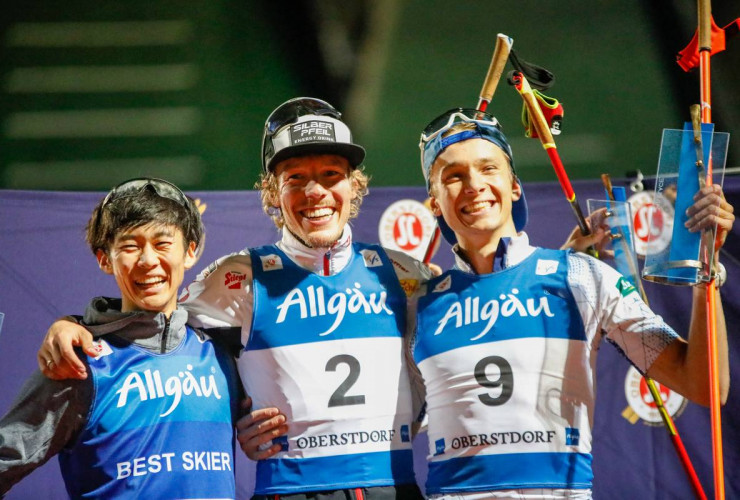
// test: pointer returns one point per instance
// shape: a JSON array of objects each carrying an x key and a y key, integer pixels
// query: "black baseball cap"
[{"x": 305, "y": 126}]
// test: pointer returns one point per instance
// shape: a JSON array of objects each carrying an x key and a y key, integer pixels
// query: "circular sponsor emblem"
[
  {"x": 407, "y": 225},
  {"x": 641, "y": 401},
  {"x": 652, "y": 222}
]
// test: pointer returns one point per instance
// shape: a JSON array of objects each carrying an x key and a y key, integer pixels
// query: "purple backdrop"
[{"x": 46, "y": 271}]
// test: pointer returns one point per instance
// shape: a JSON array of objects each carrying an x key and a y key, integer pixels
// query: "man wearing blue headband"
[{"x": 506, "y": 341}]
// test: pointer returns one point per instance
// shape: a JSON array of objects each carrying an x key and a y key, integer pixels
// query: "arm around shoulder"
[
  {"x": 57, "y": 358},
  {"x": 221, "y": 295}
]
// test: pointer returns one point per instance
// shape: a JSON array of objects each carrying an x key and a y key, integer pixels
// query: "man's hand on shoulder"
[{"x": 57, "y": 358}]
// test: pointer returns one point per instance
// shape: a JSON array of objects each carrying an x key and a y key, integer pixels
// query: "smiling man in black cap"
[{"x": 322, "y": 319}]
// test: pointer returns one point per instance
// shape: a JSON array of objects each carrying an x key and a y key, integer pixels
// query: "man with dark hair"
[{"x": 159, "y": 398}]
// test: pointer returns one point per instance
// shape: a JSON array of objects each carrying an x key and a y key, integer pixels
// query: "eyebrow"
[
  {"x": 479, "y": 161},
  {"x": 158, "y": 234},
  {"x": 492, "y": 161},
  {"x": 336, "y": 161}
]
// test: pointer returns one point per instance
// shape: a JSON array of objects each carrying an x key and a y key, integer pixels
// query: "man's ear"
[
  {"x": 104, "y": 262},
  {"x": 190, "y": 256},
  {"x": 434, "y": 205},
  {"x": 516, "y": 189},
  {"x": 272, "y": 196},
  {"x": 274, "y": 201}
]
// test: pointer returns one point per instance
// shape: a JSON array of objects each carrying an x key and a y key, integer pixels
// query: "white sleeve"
[
  {"x": 412, "y": 275},
  {"x": 221, "y": 295},
  {"x": 610, "y": 305}
]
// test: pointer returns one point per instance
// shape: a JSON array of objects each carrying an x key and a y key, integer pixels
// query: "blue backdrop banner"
[{"x": 46, "y": 271}]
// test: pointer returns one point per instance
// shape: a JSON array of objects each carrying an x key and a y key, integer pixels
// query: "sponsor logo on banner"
[
  {"x": 641, "y": 404},
  {"x": 407, "y": 225},
  {"x": 271, "y": 262},
  {"x": 233, "y": 280},
  {"x": 312, "y": 131},
  {"x": 652, "y": 222}
]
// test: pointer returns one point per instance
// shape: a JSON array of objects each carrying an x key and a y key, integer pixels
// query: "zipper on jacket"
[
  {"x": 165, "y": 333},
  {"x": 327, "y": 263}
]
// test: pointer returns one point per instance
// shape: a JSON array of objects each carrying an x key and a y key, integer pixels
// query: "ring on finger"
[{"x": 49, "y": 364}]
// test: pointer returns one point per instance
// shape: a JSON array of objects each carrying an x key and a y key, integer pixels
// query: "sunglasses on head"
[
  {"x": 163, "y": 188},
  {"x": 448, "y": 119},
  {"x": 290, "y": 111}
]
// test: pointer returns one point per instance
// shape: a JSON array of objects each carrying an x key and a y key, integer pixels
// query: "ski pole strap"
[{"x": 552, "y": 110}]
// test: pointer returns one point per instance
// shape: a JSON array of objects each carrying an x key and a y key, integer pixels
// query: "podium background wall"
[{"x": 47, "y": 271}]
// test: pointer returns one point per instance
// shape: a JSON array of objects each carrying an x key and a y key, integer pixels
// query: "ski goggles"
[
  {"x": 161, "y": 187},
  {"x": 433, "y": 142},
  {"x": 290, "y": 111},
  {"x": 447, "y": 119}
]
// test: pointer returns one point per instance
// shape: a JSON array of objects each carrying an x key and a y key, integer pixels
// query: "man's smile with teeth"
[
  {"x": 315, "y": 213},
  {"x": 150, "y": 281},
  {"x": 479, "y": 205}
]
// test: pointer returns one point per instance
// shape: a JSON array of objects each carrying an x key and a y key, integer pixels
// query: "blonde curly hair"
[{"x": 269, "y": 189}]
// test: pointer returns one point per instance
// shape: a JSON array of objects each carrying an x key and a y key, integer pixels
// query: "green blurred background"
[{"x": 93, "y": 92}]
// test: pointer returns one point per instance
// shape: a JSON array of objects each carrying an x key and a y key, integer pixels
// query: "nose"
[
  {"x": 315, "y": 190},
  {"x": 474, "y": 182},
  {"x": 148, "y": 257}
]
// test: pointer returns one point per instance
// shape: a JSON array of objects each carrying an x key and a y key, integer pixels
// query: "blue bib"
[
  {"x": 160, "y": 426},
  {"x": 505, "y": 363},
  {"x": 328, "y": 351}
]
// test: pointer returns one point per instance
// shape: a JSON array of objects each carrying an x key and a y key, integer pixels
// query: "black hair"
[{"x": 131, "y": 210}]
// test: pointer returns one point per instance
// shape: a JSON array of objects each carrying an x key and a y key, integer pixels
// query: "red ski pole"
[{"x": 705, "y": 51}]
